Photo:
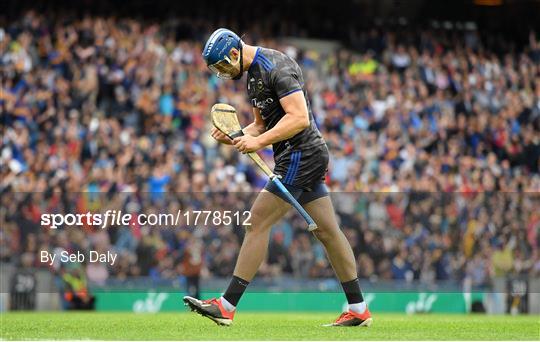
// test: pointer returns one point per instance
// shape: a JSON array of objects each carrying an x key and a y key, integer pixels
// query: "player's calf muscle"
[{"x": 335, "y": 243}]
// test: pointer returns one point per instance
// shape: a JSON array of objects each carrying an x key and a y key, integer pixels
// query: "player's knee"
[{"x": 324, "y": 235}]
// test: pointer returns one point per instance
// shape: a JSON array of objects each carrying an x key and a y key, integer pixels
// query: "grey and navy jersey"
[{"x": 271, "y": 76}]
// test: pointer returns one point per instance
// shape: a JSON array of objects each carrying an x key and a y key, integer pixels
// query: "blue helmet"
[{"x": 216, "y": 53}]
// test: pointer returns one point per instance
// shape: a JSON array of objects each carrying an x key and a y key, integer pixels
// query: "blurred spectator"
[
  {"x": 191, "y": 266},
  {"x": 23, "y": 285},
  {"x": 76, "y": 290}
]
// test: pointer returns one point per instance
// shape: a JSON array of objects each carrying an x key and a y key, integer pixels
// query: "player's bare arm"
[
  {"x": 255, "y": 128},
  {"x": 295, "y": 120}
]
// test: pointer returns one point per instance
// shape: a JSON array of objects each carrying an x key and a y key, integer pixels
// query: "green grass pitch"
[{"x": 262, "y": 326}]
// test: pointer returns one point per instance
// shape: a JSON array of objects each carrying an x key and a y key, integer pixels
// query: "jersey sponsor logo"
[{"x": 262, "y": 104}]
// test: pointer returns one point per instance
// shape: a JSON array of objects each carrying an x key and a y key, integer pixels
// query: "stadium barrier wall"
[
  {"x": 387, "y": 297},
  {"x": 408, "y": 302},
  {"x": 534, "y": 296}
]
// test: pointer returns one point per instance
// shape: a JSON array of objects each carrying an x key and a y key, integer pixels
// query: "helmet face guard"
[{"x": 227, "y": 68}]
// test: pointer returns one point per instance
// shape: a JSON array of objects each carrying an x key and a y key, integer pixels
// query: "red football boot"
[
  {"x": 211, "y": 308},
  {"x": 352, "y": 319}
]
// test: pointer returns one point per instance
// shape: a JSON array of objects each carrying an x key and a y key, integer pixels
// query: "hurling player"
[{"x": 283, "y": 119}]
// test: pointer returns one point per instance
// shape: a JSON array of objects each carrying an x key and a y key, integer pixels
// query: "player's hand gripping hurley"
[{"x": 224, "y": 118}]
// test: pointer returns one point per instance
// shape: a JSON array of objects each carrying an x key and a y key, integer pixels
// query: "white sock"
[
  {"x": 228, "y": 306},
  {"x": 358, "y": 307}
]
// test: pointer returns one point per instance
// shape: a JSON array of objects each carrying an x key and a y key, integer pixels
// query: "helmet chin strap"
[{"x": 241, "y": 72}]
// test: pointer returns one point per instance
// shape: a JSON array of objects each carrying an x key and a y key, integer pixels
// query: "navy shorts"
[
  {"x": 302, "y": 172},
  {"x": 303, "y": 168}
]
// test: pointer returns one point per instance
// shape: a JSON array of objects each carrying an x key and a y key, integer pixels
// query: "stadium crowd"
[{"x": 434, "y": 137}]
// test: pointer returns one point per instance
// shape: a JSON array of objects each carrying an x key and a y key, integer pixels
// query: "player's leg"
[
  {"x": 265, "y": 212},
  {"x": 337, "y": 246},
  {"x": 341, "y": 257}
]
